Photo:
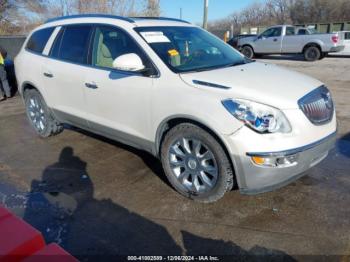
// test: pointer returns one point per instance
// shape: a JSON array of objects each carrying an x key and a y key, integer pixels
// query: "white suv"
[{"x": 216, "y": 119}]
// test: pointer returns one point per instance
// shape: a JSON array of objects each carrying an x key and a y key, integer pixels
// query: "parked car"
[
  {"x": 234, "y": 40},
  {"x": 283, "y": 39},
  {"x": 215, "y": 119},
  {"x": 346, "y": 37}
]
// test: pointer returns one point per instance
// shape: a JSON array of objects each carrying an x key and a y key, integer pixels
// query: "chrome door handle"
[
  {"x": 49, "y": 75},
  {"x": 92, "y": 86}
]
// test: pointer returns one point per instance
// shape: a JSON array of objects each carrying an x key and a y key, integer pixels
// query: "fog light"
[{"x": 275, "y": 161}]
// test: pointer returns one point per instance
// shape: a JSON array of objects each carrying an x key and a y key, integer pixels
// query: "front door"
[
  {"x": 269, "y": 42},
  {"x": 118, "y": 102}
]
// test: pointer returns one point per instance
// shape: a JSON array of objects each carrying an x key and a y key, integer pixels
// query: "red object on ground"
[
  {"x": 19, "y": 241},
  {"x": 52, "y": 253},
  {"x": 4, "y": 213}
]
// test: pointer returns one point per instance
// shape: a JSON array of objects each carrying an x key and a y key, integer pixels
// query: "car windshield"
[{"x": 185, "y": 49}]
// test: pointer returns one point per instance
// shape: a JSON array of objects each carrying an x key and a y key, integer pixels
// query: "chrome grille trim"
[{"x": 317, "y": 106}]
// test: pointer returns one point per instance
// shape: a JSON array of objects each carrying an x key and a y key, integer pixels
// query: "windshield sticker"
[{"x": 155, "y": 37}]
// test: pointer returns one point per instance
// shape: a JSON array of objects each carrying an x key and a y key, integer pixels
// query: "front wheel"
[
  {"x": 196, "y": 164},
  {"x": 247, "y": 51}
]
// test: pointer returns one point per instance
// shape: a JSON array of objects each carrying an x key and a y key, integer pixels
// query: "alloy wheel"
[
  {"x": 193, "y": 164},
  {"x": 37, "y": 114}
]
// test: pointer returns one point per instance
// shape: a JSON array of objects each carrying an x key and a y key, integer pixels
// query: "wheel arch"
[
  {"x": 27, "y": 85},
  {"x": 250, "y": 45},
  {"x": 173, "y": 121},
  {"x": 312, "y": 44}
]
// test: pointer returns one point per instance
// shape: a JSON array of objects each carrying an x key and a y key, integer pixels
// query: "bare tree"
[
  {"x": 273, "y": 12},
  {"x": 152, "y": 8},
  {"x": 279, "y": 10}
]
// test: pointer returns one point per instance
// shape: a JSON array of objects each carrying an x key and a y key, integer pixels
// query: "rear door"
[
  {"x": 291, "y": 42},
  {"x": 64, "y": 73},
  {"x": 118, "y": 102},
  {"x": 269, "y": 41}
]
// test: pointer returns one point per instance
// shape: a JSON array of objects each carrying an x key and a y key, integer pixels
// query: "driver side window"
[
  {"x": 272, "y": 32},
  {"x": 110, "y": 43}
]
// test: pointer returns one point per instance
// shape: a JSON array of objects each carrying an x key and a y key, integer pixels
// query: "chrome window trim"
[{"x": 157, "y": 75}]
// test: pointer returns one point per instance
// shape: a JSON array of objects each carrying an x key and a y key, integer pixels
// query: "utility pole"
[
  {"x": 205, "y": 16},
  {"x": 181, "y": 13}
]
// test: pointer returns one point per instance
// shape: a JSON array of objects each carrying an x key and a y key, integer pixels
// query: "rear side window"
[
  {"x": 290, "y": 31},
  {"x": 347, "y": 35},
  {"x": 72, "y": 44},
  {"x": 38, "y": 40},
  {"x": 302, "y": 32}
]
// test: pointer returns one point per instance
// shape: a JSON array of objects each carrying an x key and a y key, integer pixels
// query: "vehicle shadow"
[
  {"x": 343, "y": 145},
  {"x": 299, "y": 58},
  {"x": 62, "y": 207},
  {"x": 149, "y": 160},
  {"x": 338, "y": 56}
]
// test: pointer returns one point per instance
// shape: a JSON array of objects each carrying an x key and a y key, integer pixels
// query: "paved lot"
[{"x": 94, "y": 196}]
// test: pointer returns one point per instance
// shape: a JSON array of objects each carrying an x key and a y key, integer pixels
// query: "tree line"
[
  {"x": 20, "y": 16},
  {"x": 272, "y": 12}
]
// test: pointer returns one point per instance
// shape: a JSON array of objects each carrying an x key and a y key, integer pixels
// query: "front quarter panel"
[{"x": 175, "y": 99}]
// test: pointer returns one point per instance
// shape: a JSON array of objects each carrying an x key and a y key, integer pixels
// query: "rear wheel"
[
  {"x": 247, "y": 51},
  {"x": 312, "y": 53},
  {"x": 196, "y": 164},
  {"x": 39, "y": 115}
]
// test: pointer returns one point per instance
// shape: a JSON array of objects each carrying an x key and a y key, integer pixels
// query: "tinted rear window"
[
  {"x": 302, "y": 32},
  {"x": 38, "y": 40},
  {"x": 347, "y": 36},
  {"x": 75, "y": 42}
]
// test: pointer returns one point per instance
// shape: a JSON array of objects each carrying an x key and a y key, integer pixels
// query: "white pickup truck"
[{"x": 285, "y": 39}]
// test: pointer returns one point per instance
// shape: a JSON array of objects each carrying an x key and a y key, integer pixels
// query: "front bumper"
[{"x": 254, "y": 179}]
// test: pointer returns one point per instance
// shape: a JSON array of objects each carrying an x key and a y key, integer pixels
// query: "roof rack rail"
[
  {"x": 160, "y": 18},
  {"x": 89, "y": 15}
]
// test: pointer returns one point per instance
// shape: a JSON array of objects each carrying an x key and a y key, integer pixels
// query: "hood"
[
  {"x": 247, "y": 39},
  {"x": 259, "y": 82}
]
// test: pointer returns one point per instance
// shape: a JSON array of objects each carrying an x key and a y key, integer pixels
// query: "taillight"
[{"x": 335, "y": 39}]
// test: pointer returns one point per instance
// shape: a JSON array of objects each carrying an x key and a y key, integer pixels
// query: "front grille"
[{"x": 318, "y": 106}]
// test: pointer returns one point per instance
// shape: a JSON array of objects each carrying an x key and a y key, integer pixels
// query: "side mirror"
[
  {"x": 261, "y": 37},
  {"x": 128, "y": 62}
]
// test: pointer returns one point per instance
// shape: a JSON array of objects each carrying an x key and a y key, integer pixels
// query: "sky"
[{"x": 192, "y": 10}]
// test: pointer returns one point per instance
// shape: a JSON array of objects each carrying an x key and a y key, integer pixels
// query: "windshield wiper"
[{"x": 245, "y": 61}]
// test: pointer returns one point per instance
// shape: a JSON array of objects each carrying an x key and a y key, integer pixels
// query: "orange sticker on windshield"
[{"x": 173, "y": 52}]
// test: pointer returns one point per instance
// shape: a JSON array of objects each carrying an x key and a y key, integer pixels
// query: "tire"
[
  {"x": 248, "y": 51},
  {"x": 40, "y": 116},
  {"x": 207, "y": 162},
  {"x": 312, "y": 53}
]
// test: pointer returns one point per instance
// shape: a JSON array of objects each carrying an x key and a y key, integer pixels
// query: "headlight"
[{"x": 259, "y": 117}]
